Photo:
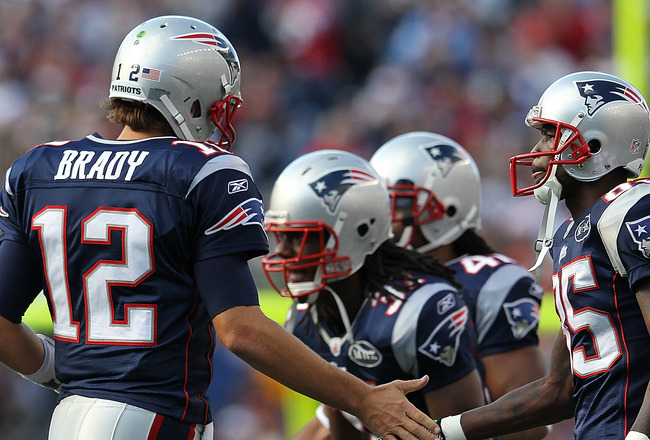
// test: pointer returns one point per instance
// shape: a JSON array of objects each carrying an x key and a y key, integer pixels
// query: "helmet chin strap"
[
  {"x": 300, "y": 287},
  {"x": 548, "y": 195},
  {"x": 335, "y": 343},
  {"x": 177, "y": 116},
  {"x": 405, "y": 238}
]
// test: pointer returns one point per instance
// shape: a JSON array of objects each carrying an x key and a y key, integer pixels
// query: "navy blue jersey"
[
  {"x": 116, "y": 227},
  {"x": 503, "y": 300},
  {"x": 423, "y": 333},
  {"x": 597, "y": 259}
]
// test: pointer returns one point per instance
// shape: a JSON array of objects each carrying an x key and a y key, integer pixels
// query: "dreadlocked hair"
[
  {"x": 473, "y": 244},
  {"x": 391, "y": 265}
]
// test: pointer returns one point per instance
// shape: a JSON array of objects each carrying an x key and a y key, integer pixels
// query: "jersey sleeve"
[
  {"x": 230, "y": 210},
  {"x": 9, "y": 226},
  {"x": 20, "y": 281},
  {"x": 633, "y": 241},
  {"x": 507, "y": 311},
  {"x": 236, "y": 286},
  {"x": 440, "y": 336}
]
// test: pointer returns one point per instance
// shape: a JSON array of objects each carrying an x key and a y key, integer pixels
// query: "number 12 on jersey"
[{"x": 139, "y": 324}]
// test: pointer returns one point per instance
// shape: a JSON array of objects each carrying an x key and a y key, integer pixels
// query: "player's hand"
[{"x": 390, "y": 416}]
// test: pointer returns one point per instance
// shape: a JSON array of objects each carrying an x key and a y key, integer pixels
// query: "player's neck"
[
  {"x": 444, "y": 253},
  {"x": 128, "y": 134},
  {"x": 351, "y": 292},
  {"x": 581, "y": 195}
]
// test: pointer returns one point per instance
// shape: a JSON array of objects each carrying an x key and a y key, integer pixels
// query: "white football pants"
[{"x": 83, "y": 418}]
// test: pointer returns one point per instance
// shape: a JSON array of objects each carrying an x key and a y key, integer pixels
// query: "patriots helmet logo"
[
  {"x": 204, "y": 38},
  {"x": 599, "y": 92},
  {"x": 445, "y": 157},
  {"x": 331, "y": 187},
  {"x": 639, "y": 230},
  {"x": 218, "y": 43},
  {"x": 523, "y": 316}
]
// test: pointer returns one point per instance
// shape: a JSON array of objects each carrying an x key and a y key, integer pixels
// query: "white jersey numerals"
[
  {"x": 139, "y": 324},
  {"x": 597, "y": 323}
]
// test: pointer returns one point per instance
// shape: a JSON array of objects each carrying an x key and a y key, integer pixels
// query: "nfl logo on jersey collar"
[{"x": 583, "y": 229}]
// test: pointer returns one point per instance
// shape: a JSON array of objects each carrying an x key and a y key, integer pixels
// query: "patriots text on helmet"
[{"x": 126, "y": 89}]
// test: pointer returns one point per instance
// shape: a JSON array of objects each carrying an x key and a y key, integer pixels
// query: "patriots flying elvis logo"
[
  {"x": 204, "y": 38},
  {"x": 248, "y": 212},
  {"x": 640, "y": 232},
  {"x": 442, "y": 344},
  {"x": 217, "y": 42},
  {"x": 331, "y": 187},
  {"x": 445, "y": 157},
  {"x": 599, "y": 92},
  {"x": 523, "y": 316}
]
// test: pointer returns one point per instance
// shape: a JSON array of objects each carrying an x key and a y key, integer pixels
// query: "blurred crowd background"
[{"x": 345, "y": 74}]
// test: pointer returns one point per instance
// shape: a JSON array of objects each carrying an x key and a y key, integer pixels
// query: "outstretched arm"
[
  {"x": 539, "y": 403},
  {"x": 641, "y": 427},
  {"x": 510, "y": 370},
  {"x": 20, "y": 348},
  {"x": 268, "y": 348}
]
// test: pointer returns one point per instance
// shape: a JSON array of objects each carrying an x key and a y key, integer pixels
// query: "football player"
[
  {"x": 434, "y": 185},
  {"x": 141, "y": 246},
  {"x": 595, "y": 130},
  {"x": 374, "y": 309}
]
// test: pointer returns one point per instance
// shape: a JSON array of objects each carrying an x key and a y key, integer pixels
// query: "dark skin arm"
[
  {"x": 340, "y": 428},
  {"x": 642, "y": 422},
  {"x": 510, "y": 370},
  {"x": 20, "y": 348},
  {"x": 543, "y": 402},
  {"x": 314, "y": 430},
  {"x": 459, "y": 396}
]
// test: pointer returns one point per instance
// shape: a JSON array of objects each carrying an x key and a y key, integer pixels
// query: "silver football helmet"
[
  {"x": 438, "y": 179},
  {"x": 336, "y": 197},
  {"x": 602, "y": 123},
  {"x": 185, "y": 68}
]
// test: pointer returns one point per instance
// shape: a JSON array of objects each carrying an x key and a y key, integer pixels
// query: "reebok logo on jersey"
[
  {"x": 236, "y": 186},
  {"x": 563, "y": 252},
  {"x": 446, "y": 304},
  {"x": 640, "y": 232},
  {"x": 442, "y": 343},
  {"x": 248, "y": 212}
]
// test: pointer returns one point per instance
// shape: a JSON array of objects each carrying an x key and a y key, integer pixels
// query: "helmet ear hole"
[
  {"x": 594, "y": 146},
  {"x": 451, "y": 211},
  {"x": 195, "y": 111},
  {"x": 363, "y": 230}
]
